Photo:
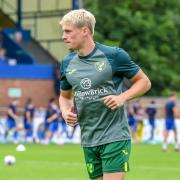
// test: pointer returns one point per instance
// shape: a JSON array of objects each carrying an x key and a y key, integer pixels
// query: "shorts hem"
[
  {"x": 115, "y": 170},
  {"x": 97, "y": 176}
]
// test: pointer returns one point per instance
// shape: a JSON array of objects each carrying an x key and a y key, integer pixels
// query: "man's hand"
[
  {"x": 113, "y": 101},
  {"x": 70, "y": 117}
]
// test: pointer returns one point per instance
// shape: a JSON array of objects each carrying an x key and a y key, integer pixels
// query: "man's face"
[
  {"x": 72, "y": 36},
  {"x": 16, "y": 102}
]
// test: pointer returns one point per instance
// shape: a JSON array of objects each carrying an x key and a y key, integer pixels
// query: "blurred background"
[{"x": 31, "y": 51}]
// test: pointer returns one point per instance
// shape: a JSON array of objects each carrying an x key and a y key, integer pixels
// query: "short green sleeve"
[
  {"x": 125, "y": 67},
  {"x": 64, "y": 84}
]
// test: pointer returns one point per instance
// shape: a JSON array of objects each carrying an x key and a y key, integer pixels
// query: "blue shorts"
[
  {"x": 53, "y": 127},
  {"x": 28, "y": 126},
  {"x": 170, "y": 124},
  {"x": 132, "y": 123},
  {"x": 132, "y": 120},
  {"x": 152, "y": 123},
  {"x": 10, "y": 123},
  {"x": 46, "y": 124}
]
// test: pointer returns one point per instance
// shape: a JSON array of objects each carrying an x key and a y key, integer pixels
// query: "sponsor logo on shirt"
[
  {"x": 88, "y": 92},
  {"x": 91, "y": 94}
]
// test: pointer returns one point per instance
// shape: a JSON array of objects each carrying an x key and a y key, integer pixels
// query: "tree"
[{"x": 149, "y": 31}]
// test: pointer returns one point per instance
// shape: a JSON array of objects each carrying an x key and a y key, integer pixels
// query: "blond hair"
[{"x": 79, "y": 18}]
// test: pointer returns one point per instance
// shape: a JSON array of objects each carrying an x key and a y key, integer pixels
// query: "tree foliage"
[{"x": 149, "y": 31}]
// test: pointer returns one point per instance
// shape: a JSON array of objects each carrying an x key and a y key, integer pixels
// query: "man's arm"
[
  {"x": 176, "y": 112},
  {"x": 66, "y": 106},
  {"x": 52, "y": 118},
  {"x": 11, "y": 113},
  {"x": 140, "y": 85}
]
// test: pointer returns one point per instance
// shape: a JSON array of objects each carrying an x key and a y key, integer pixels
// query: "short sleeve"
[
  {"x": 125, "y": 67},
  {"x": 64, "y": 84}
]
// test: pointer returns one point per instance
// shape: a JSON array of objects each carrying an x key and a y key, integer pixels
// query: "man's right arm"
[{"x": 66, "y": 106}]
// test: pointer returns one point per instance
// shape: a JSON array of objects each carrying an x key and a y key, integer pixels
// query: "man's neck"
[{"x": 87, "y": 48}]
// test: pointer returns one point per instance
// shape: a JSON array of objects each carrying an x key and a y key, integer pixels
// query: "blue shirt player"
[
  {"x": 132, "y": 121},
  {"x": 170, "y": 111},
  {"x": 52, "y": 120},
  {"x": 48, "y": 113},
  {"x": 11, "y": 120},
  {"x": 28, "y": 120},
  {"x": 151, "y": 113}
]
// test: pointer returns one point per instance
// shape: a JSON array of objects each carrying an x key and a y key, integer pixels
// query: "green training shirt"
[{"x": 91, "y": 78}]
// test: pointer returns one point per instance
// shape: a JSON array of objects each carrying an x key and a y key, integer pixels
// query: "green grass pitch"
[{"x": 65, "y": 162}]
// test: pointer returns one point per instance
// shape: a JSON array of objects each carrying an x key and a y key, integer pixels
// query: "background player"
[
  {"x": 28, "y": 120},
  {"x": 170, "y": 112},
  {"x": 52, "y": 120},
  {"x": 151, "y": 111},
  {"x": 11, "y": 121}
]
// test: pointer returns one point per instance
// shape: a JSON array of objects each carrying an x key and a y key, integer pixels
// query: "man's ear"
[{"x": 85, "y": 30}]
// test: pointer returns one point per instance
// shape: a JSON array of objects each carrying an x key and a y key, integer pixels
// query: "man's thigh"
[{"x": 93, "y": 162}]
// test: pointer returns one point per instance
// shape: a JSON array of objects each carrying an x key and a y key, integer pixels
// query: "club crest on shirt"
[{"x": 100, "y": 66}]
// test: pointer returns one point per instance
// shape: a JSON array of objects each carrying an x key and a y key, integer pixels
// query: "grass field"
[{"x": 53, "y": 162}]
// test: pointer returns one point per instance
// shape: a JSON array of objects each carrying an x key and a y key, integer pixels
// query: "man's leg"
[
  {"x": 176, "y": 144},
  {"x": 6, "y": 134},
  {"x": 29, "y": 134},
  {"x": 7, "y": 129},
  {"x": 152, "y": 123},
  {"x": 15, "y": 136},
  {"x": 50, "y": 132},
  {"x": 93, "y": 162},
  {"x": 165, "y": 145},
  {"x": 114, "y": 176}
]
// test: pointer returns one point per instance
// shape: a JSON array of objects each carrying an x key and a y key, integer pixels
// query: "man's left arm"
[{"x": 140, "y": 85}]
